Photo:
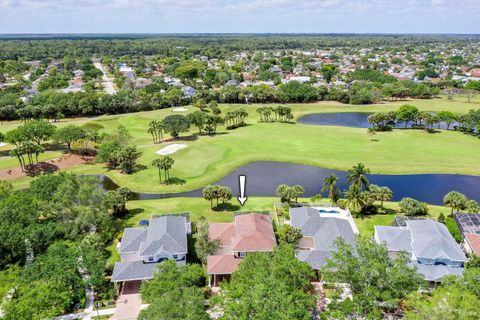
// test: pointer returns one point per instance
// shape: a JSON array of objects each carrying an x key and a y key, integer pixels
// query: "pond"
[
  {"x": 350, "y": 119},
  {"x": 263, "y": 177}
]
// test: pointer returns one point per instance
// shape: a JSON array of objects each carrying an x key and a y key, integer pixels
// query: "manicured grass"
[
  {"x": 209, "y": 158},
  {"x": 197, "y": 207},
  {"x": 9, "y": 162},
  {"x": 366, "y": 223}
]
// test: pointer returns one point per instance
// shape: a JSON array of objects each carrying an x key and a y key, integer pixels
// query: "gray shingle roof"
[
  {"x": 324, "y": 231},
  {"x": 131, "y": 239},
  {"x": 165, "y": 234},
  {"x": 396, "y": 239},
  {"x": 436, "y": 273},
  {"x": 133, "y": 270},
  {"x": 136, "y": 270},
  {"x": 432, "y": 240}
]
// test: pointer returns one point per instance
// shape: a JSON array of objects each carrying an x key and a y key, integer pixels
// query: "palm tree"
[
  {"x": 455, "y": 200},
  {"x": 355, "y": 197},
  {"x": 210, "y": 193},
  {"x": 159, "y": 164},
  {"x": 385, "y": 194},
  {"x": 358, "y": 176},
  {"x": 330, "y": 186},
  {"x": 168, "y": 163}
]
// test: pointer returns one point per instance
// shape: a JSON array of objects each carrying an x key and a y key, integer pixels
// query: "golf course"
[{"x": 206, "y": 158}]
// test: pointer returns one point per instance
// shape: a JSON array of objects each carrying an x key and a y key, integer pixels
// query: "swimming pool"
[{"x": 327, "y": 211}]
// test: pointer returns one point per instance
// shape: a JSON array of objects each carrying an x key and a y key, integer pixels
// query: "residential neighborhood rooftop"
[{"x": 319, "y": 234}]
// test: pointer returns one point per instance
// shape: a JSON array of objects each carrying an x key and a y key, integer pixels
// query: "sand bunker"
[
  {"x": 180, "y": 109},
  {"x": 171, "y": 149}
]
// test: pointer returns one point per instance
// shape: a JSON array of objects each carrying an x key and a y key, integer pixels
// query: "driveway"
[{"x": 128, "y": 303}]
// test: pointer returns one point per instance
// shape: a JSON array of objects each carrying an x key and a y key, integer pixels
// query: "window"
[
  {"x": 150, "y": 259},
  {"x": 241, "y": 254},
  {"x": 175, "y": 256}
]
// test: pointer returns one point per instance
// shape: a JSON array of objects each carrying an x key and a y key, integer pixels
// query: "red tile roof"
[
  {"x": 249, "y": 232},
  {"x": 222, "y": 231},
  {"x": 474, "y": 242},
  {"x": 225, "y": 264}
]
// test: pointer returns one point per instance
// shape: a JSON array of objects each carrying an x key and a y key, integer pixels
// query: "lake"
[
  {"x": 263, "y": 177},
  {"x": 350, "y": 119}
]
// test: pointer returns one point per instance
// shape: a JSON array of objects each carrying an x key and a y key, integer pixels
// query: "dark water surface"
[
  {"x": 350, "y": 119},
  {"x": 263, "y": 178}
]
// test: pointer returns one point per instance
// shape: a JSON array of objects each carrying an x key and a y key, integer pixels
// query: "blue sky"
[{"x": 171, "y": 16}]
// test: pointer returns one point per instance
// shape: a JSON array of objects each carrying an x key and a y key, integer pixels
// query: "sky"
[{"x": 239, "y": 16}]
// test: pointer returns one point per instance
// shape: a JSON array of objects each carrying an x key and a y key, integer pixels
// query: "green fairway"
[{"x": 209, "y": 158}]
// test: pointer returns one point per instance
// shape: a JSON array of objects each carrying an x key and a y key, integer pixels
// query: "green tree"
[
  {"x": 457, "y": 298},
  {"x": 175, "y": 124},
  {"x": 203, "y": 245},
  {"x": 407, "y": 113},
  {"x": 210, "y": 194},
  {"x": 158, "y": 163},
  {"x": 358, "y": 176},
  {"x": 198, "y": 119},
  {"x": 290, "y": 235},
  {"x": 175, "y": 293},
  {"x": 355, "y": 198},
  {"x": 330, "y": 186},
  {"x": 378, "y": 282},
  {"x": 328, "y": 71},
  {"x": 269, "y": 285},
  {"x": 455, "y": 200},
  {"x": 68, "y": 135},
  {"x": 412, "y": 207},
  {"x": 381, "y": 193}
]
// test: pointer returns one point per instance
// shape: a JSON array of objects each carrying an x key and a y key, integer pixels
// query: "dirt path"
[{"x": 64, "y": 162}]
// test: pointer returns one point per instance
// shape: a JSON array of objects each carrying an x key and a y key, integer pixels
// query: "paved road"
[{"x": 107, "y": 83}]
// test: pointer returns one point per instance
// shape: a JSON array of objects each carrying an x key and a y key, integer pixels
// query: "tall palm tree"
[
  {"x": 159, "y": 165},
  {"x": 168, "y": 163},
  {"x": 330, "y": 186},
  {"x": 355, "y": 198},
  {"x": 385, "y": 194},
  {"x": 358, "y": 176}
]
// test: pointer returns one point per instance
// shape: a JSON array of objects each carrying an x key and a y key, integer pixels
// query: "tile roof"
[
  {"x": 474, "y": 242},
  {"x": 222, "y": 264},
  {"x": 249, "y": 232}
]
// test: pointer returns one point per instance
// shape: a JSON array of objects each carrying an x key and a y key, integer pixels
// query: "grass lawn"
[{"x": 207, "y": 158}]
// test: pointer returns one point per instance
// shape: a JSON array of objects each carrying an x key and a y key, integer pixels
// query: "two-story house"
[
  {"x": 430, "y": 245},
  {"x": 247, "y": 233},
  {"x": 142, "y": 249}
]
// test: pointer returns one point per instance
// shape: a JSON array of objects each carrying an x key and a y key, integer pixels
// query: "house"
[
  {"x": 320, "y": 228},
  {"x": 471, "y": 243},
  {"x": 141, "y": 83},
  {"x": 189, "y": 92},
  {"x": 247, "y": 233},
  {"x": 431, "y": 247},
  {"x": 469, "y": 226},
  {"x": 142, "y": 249}
]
